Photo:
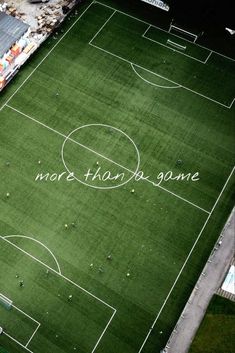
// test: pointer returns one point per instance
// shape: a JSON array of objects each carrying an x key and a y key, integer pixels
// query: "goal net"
[
  {"x": 5, "y": 302},
  {"x": 181, "y": 32}
]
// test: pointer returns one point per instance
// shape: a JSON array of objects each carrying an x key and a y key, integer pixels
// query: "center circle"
[{"x": 100, "y": 131}]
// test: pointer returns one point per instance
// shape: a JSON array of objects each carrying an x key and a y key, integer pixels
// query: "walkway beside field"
[{"x": 209, "y": 281}]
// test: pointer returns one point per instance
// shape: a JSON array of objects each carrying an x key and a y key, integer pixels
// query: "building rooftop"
[{"x": 11, "y": 30}]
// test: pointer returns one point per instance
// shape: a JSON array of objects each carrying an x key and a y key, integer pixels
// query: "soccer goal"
[
  {"x": 176, "y": 45},
  {"x": 5, "y": 302},
  {"x": 192, "y": 37}
]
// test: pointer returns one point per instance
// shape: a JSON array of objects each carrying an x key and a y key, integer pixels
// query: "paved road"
[{"x": 207, "y": 285}]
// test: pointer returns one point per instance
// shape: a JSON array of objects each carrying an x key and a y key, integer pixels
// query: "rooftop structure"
[{"x": 11, "y": 30}]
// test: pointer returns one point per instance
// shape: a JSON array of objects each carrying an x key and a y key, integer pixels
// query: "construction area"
[{"x": 24, "y": 25}]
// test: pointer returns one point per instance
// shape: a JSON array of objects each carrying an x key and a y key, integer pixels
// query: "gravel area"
[{"x": 42, "y": 17}]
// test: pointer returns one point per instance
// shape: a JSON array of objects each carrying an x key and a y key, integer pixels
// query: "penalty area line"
[
  {"x": 68, "y": 280},
  {"x": 154, "y": 73},
  {"x": 105, "y": 329},
  {"x": 16, "y": 341},
  {"x": 57, "y": 273},
  {"x": 32, "y": 335},
  {"x": 232, "y": 103},
  {"x": 144, "y": 36},
  {"x": 102, "y": 27},
  {"x": 25, "y": 314},
  {"x": 161, "y": 29}
]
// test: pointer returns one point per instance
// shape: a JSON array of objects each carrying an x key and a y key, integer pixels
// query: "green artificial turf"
[
  {"x": 2, "y": 350},
  {"x": 150, "y": 232},
  {"x": 216, "y": 333}
]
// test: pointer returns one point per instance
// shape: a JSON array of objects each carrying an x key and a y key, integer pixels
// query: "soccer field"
[{"x": 108, "y": 261}]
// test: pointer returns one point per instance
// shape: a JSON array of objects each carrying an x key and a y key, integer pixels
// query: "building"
[{"x": 12, "y": 32}]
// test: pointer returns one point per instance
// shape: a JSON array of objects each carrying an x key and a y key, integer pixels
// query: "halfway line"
[{"x": 104, "y": 157}]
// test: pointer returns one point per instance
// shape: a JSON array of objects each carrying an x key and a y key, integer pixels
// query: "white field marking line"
[
  {"x": 173, "y": 49},
  {"x": 182, "y": 30},
  {"x": 70, "y": 281},
  {"x": 176, "y": 45},
  {"x": 186, "y": 261},
  {"x": 218, "y": 198},
  {"x": 25, "y": 314},
  {"x": 103, "y": 302},
  {"x": 120, "y": 132},
  {"x": 177, "y": 29},
  {"x": 151, "y": 83},
  {"x": 20, "y": 344},
  {"x": 176, "y": 83},
  {"x": 103, "y": 26},
  {"x": 26, "y": 253},
  {"x": 106, "y": 158},
  {"x": 32, "y": 336},
  {"x": 208, "y": 57},
  {"x": 5, "y": 299},
  {"x": 105, "y": 329},
  {"x": 154, "y": 73},
  {"x": 179, "y": 197},
  {"x": 147, "y": 29},
  {"x": 50, "y": 51},
  {"x": 161, "y": 29},
  {"x": 70, "y": 139},
  {"x": 232, "y": 103},
  {"x": 59, "y": 274},
  {"x": 32, "y": 319},
  {"x": 40, "y": 243},
  {"x": 178, "y": 51}
]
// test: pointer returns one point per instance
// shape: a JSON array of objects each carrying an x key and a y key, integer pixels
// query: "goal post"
[
  {"x": 192, "y": 37},
  {"x": 5, "y": 302}
]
